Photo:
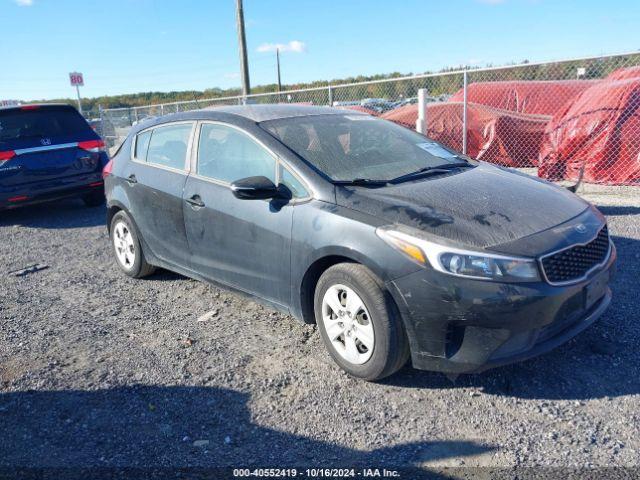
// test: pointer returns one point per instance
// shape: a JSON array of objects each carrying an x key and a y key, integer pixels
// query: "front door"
[{"x": 242, "y": 243}]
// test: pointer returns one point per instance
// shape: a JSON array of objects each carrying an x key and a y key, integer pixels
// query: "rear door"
[
  {"x": 153, "y": 181},
  {"x": 42, "y": 144}
]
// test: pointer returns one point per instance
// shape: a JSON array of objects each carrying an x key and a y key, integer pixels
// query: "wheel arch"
[
  {"x": 112, "y": 209},
  {"x": 325, "y": 259},
  {"x": 115, "y": 206}
]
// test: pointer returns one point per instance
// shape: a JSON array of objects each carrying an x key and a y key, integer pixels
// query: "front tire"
[
  {"x": 359, "y": 323},
  {"x": 127, "y": 248}
]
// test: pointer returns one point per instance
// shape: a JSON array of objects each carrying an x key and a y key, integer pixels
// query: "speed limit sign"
[{"x": 76, "y": 79}]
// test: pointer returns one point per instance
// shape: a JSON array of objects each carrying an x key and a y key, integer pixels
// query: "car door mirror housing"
[{"x": 254, "y": 188}]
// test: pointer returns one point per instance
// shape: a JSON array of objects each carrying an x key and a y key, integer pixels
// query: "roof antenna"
[{"x": 574, "y": 188}]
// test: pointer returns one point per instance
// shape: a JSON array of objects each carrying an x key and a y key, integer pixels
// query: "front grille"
[{"x": 573, "y": 263}]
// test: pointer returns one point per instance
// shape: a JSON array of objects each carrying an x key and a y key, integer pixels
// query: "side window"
[
  {"x": 293, "y": 184},
  {"x": 227, "y": 154},
  {"x": 142, "y": 146},
  {"x": 168, "y": 145}
]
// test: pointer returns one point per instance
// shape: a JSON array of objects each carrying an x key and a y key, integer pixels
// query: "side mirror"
[{"x": 254, "y": 188}]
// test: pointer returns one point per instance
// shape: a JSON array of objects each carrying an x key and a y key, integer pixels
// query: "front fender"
[{"x": 322, "y": 230}]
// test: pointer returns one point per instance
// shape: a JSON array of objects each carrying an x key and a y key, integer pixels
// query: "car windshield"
[{"x": 359, "y": 147}]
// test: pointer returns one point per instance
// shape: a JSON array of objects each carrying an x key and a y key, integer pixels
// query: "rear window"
[{"x": 41, "y": 122}]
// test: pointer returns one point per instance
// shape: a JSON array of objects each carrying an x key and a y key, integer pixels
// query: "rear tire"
[
  {"x": 367, "y": 317},
  {"x": 94, "y": 199},
  {"x": 126, "y": 247}
]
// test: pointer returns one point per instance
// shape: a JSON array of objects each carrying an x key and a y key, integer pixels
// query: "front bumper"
[{"x": 459, "y": 325}]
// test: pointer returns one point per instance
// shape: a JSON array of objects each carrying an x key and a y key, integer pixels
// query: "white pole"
[
  {"x": 464, "y": 115},
  {"x": 79, "y": 101},
  {"x": 421, "y": 122}
]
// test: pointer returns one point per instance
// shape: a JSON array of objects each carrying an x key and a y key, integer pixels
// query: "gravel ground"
[{"x": 100, "y": 370}]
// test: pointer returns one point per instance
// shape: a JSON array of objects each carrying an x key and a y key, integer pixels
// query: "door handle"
[
  {"x": 195, "y": 201},
  {"x": 131, "y": 179}
]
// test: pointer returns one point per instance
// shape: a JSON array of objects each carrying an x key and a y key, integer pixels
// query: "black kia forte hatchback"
[{"x": 394, "y": 245}]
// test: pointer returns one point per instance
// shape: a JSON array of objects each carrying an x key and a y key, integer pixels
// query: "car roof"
[
  {"x": 237, "y": 114},
  {"x": 26, "y": 106},
  {"x": 262, "y": 113}
]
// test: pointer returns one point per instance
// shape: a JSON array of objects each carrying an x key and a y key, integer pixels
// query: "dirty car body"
[{"x": 485, "y": 266}]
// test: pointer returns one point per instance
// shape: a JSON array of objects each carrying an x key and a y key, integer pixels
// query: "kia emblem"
[
  {"x": 45, "y": 141},
  {"x": 580, "y": 228}
]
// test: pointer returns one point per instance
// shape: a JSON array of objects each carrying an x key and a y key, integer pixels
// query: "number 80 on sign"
[{"x": 76, "y": 79}]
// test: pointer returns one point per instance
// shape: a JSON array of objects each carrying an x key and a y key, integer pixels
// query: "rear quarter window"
[
  {"x": 44, "y": 122},
  {"x": 142, "y": 146}
]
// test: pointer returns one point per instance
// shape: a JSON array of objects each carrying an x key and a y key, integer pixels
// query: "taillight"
[
  {"x": 7, "y": 155},
  {"x": 106, "y": 171},
  {"x": 92, "y": 145}
]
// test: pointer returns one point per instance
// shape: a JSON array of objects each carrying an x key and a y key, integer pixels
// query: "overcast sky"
[{"x": 128, "y": 46}]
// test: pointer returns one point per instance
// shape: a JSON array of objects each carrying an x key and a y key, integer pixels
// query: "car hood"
[{"x": 479, "y": 207}]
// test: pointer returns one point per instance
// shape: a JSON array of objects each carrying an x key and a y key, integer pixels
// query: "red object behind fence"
[
  {"x": 494, "y": 135},
  {"x": 624, "y": 73},
  {"x": 405, "y": 115},
  {"x": 600, "y": 130},
  {"x": 533, "y": 97},
  {"x": 359, "y": 108}
]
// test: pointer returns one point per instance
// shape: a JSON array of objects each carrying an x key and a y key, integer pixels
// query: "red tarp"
[
  {"x": 405, "y": 115},
  {"x": 624, "y": 73},
  {"x": 359, "y": 108},
  {"x": 600, "y": 130},
  {"x": 534, "y": 97},
  {"x": 494, "y": 135}
]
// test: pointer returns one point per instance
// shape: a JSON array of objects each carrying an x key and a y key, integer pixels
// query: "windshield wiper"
[
  {"x": 368, "y": 182},
  {"x": 437, "y": 169},
  {"x": 362, "y": 182}
]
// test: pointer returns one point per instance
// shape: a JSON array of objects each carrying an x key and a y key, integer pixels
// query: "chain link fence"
[{"x": 574, "y": 120}]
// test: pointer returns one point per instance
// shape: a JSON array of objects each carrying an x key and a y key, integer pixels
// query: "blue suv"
[{"x": 49, "y": 152}]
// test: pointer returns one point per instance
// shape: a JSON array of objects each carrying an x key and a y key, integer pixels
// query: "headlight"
[{"x": 464, "y": 263}]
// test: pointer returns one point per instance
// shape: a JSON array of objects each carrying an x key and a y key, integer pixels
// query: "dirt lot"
[{"x": 99, "y": 370}]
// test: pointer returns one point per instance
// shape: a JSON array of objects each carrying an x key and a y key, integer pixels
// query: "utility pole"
[
  {"x": 242, "y": 45},
  {"x": 278, "y": 63}
]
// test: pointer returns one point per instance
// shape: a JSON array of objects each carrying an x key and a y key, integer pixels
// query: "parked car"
[
  {"x": 393, "y": 244},
  {"x": 379, "y": 105},
  {"x": 96, "y": 125},
  {"x": 48, "y": 152}
]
